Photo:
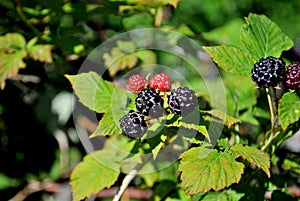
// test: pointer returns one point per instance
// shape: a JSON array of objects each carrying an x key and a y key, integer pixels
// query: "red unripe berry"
[
  {"x": 160, "y": 81},
  {"x": 136, "y": 83}
]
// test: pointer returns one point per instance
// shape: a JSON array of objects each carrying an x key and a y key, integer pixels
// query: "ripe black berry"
[
  {"x": 133, "y": 124},
  {"x": 182, "y": 101},
  {"x": 268, "y": 72},
  {"x": 293, "y": 76},
  {"x": 149, "y": 103}
]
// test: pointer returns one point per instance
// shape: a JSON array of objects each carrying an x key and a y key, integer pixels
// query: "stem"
[
  {"x": 272, "y": 99},
  {"x": 25, "y": 20},
  {"x": 158, "y": 16},
  {"x": 128, "y": 178}
]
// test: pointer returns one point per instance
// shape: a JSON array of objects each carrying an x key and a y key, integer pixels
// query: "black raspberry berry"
[
  {"x": 149, "y": 103},
  {"x": 160, "y": 81},
  {"x": 268, "y": 72},
  {"x": 292, "y": 74},
  {"x": 136, "y": 83},
  {"x": 133, "y": 124},
  {"x": 182, "y": 101}
]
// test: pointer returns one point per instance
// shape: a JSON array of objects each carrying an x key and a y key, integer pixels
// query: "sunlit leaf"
[
  {"x": 232, "y": 59},
  {"x": 252, "y": 155},
  {"x": 179, "y": 122},
  {"x": 97, "y": 94},
  {"x": 41, "y": 53},
  {"x": 146, "y": 57},
  {"x": 228, "y": 120},
  {"x": 289, "y": 109},
  {"x": 96, "y": 172},
  {"x": 10, "y": 65},
  {"x": 204, "y": 169},
  {"x": 12, "y": 42},
  {"x": 12, "y": 53},
  {"x": 108, "y": 125},
  {"x": 262, "y": 37},
  {"x": 118, "y": 60}
]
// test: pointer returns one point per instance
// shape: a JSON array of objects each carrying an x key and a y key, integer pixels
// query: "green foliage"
[
  {"x": 246, "y": 138},
  {"x": 260, "y": 36},
  {"x": 99, "y": 172},
  {"x": 14, "y": 49},
  {"x": 103, "y": 97},
  {"x": 289, "y": 109},
  {"x": 204, "y": 169},
  {"x": 252, "y": 155}
]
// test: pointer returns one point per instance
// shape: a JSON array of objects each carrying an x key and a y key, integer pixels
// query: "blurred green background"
[{"x": 39, "y": 143}]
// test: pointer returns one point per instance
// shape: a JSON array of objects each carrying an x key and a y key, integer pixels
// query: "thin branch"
[
  {"x": 25, "y": 20},
  {"x": 128, "y": 178}
]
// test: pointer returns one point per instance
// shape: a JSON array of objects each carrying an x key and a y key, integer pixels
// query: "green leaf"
[
  {"x": 12, "y": 53},
  {"x": 289, "y": 109},
  {"x": 147, "y": 57},
  {"x": 41, "y": 53},
  {"x": 204, "y": 169},
  {"x": 96, "y": 172},
  {"x": 262, "y": 37},
  {"x": 108, "y": 125},
  {"x": 240, "y": 93},
  {"x": 228, "y": 34},
  {"x": 10, "y": 65},
  {"x": 179, "y": 123},
  {"x": 227, "y": 119},
  {"x": 227, "y": 195},
  {"x": 12, "y": 42},
  {"x": 232, "y": 59},
  {"x": 97, "y": 94},
  {"x": 253, "y": 156},
  {"x": 118, "y": 60}
]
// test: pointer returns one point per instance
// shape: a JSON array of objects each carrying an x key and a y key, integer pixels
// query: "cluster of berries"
[
  {"x": 150, "y": 103},
  {"x": 270, "y": 71}
]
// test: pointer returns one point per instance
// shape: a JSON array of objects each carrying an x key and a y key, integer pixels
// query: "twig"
[
  {"x": 128, "y": 178},
  {"x": 272, "y": 100},
  {"x": 25, "y": 20}
]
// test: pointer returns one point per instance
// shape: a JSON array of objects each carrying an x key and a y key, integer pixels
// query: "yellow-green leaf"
[
  {"x": 289, "y": 109},
  {"x": 118, "y": 60},
  {"x": 232, "y": 59},
  {"x": 252, "y": 155},
  {"x": 12, "y": 42},
  {"x": 96, "y": 172},
  {"x": 10, "y": 65},
  {"x": 97, "y": 94},
  {"x": 204, "y": 169},
  {"x": 109, "y": 125},
  {"x": 228, "y": 120},
  {"x": 41, "y": 53}
]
